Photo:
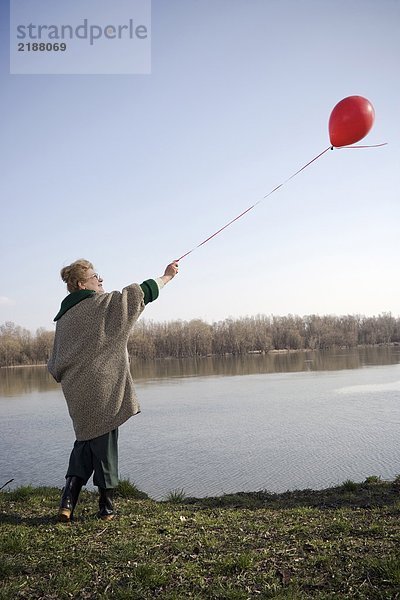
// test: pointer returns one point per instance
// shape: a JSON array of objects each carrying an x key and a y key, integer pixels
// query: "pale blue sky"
[{"x": 131, "y": 171}]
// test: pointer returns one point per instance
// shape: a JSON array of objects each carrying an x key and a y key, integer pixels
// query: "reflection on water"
[
  {"x": 24, "y": 380},
  {"x": 374, "y": 388},
  {"x": 15, "y": 381},
  {"x": 275, "y": 362}
]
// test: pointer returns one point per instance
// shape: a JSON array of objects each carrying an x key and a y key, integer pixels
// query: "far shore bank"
[{"x": 231, "y": 354}]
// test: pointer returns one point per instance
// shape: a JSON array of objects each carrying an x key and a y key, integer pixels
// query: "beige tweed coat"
[{"x": 90, "y": 359}]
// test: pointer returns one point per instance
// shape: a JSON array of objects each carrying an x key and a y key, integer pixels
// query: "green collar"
[{"x": 72, "y": 299}]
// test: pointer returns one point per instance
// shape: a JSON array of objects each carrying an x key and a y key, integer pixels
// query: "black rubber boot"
[
  {"x": 106, "y": 507},
  {"x": 69, "y": 499}
]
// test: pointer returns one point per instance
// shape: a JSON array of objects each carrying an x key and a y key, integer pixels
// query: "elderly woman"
[{"x": 90, "y": 359}]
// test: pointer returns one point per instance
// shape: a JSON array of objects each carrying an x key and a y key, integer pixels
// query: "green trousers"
[{"x": 99, "y": 455}]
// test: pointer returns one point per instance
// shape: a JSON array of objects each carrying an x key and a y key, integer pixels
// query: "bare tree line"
[
  {"x": 18, "y": 346},
  {"x": 260, "y": 334},
  {"x": 178, "y": 339}
]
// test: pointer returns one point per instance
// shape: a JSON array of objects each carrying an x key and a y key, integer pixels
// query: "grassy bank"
[{"x": 342, "y": 542}]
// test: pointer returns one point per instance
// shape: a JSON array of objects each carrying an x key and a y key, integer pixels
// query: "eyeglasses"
[{"x": 95, "y": 275}]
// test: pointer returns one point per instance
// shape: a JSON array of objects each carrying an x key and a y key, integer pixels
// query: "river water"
[{"x": 216, "y": 425}]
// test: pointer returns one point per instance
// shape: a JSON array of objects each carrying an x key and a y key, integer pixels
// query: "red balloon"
[{"x": 350, "y": 121}]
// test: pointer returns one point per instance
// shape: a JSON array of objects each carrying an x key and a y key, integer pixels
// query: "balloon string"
[
  {"x": 253, "y": 205},
  {"x": 271, "y": 192},
  {"x": 355, "y": 147}
]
